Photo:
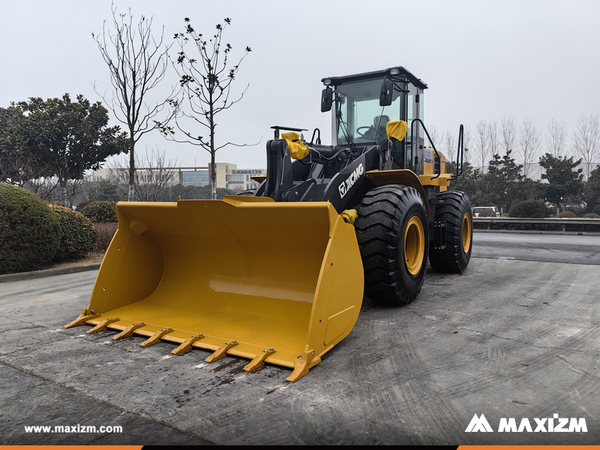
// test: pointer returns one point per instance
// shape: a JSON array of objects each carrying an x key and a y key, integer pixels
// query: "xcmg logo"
[
  {"x": 349, "y": 182},
  {"x": 552, "y": 424}
]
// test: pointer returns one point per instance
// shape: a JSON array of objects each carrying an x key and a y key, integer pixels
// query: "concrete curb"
[{"x": 47, "y": 272}]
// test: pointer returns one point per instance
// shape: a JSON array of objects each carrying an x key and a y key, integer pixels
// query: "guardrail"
[{"x": 537, "y": 225}]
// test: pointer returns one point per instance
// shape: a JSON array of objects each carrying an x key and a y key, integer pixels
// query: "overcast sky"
[{"x": 482, "y": 60}]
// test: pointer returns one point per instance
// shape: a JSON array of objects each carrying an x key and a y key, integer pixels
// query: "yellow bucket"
[{"x": 280, "y": 283}]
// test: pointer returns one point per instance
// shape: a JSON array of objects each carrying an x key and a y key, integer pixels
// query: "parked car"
[{"x": 478, "y": 209}]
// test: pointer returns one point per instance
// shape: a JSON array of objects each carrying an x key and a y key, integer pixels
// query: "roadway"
[
  {"x": 508, "y": 338},
  {"x": 570, "y": 249}
]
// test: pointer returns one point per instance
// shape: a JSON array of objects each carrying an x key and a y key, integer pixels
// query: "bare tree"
[
  {"x": 557, "y": 137},
  {"x": 46, "y": 188},
  {"x": 493, "y": 139},
  {"x": 587, "y": 141},
  {"x": 51, "y": 190},
  {"x": 508, "y": 134},
  {"x": 157, "y": 175},
  {"x": 154, "y": 174},
  {"x": 137, "y": 63},
  {"x": 482, "y": 144},
  {"x": 435, "y": 137},
  {"x": 529, "y": 142},
  {"x": 467, "y": 144},
  {"x": 206, "y": 84},
  {"x": 450, "y": 146}
]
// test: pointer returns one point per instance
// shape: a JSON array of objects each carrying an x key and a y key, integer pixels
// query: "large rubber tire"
[
  {"x": 391, "y": 229},
  {"x": 453, "y": 208}
]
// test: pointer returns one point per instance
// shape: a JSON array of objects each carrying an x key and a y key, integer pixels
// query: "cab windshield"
[{"x": 359, "y": 119}]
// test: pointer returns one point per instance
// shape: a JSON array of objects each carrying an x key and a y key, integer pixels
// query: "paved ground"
[
  {"x": 508, "y": 339},
  {"x": 570, "y": 249}
]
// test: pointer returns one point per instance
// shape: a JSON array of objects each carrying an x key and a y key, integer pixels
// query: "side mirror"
[
  {"x": 386, "y": 93},
  {"x": 326, "y": 99}
]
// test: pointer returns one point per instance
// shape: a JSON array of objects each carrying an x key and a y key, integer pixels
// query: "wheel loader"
[{"x": 278, "y": 275}]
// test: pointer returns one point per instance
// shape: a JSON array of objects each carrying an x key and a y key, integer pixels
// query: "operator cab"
[{"x": 363, "y": 104}]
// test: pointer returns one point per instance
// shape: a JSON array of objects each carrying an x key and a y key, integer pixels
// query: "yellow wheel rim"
[
  {"x": 466, "y": 232},
  {"x": 414, "y": 245}
]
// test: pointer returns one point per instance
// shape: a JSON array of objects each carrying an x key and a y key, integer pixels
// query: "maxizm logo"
[
  {"x": 349, "y": 182},
  {"x": 554, "y": 424}
]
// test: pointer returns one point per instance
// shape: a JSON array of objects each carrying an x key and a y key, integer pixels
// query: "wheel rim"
[
  {"x": 414, "y": 245},
  {"x": 466, "y": 232}
]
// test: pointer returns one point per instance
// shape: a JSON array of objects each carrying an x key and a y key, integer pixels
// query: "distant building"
[
  {"x": 242, "y": 179},
  {"x": 193, "y": 176},
  {"x": 228, "y": 176},
  {"x": 143, "y": 175}
]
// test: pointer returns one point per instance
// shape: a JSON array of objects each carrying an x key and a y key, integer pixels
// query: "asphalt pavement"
[
  {"x": 508, "y": 339},
  {"x": 529, "y": 246}
]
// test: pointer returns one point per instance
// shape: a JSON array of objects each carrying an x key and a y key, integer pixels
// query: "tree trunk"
[
  {"x": 63, "y": 191},
  {"x": 213, "y": 176},
  {"x": 211, "y": 122},
  {"x": 131, "y": 194}
]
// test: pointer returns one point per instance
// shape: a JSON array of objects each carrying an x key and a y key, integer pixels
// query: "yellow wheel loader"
[{"x": 278, "y": 275}]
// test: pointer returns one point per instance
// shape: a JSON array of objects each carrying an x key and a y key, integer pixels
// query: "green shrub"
[
  {"x": 78, "y": 234},
  {"x": 596, "y": 209},
  {"x": 102, "y": 211},
  {"x": 576, "y": 210},
  {"x": 591, "y": 216},
  {"x": 83, "y": 205},
  {"x": 567, "y": 215},
  {"x": 29, "y": 231},
  {"x": 530, "y": 209}
]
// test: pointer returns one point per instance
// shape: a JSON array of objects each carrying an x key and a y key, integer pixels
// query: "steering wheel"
[{"x": 366, "y": 130}]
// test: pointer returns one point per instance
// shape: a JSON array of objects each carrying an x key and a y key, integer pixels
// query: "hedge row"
[
  {"x": 34, "y": 234},
  {"x": 29, "y": 231},
  {"x": 78, "y": 234},
  {"x": 100, "y": 211}
]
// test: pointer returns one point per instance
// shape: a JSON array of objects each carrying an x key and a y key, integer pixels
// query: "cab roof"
[{"x": 401, "y": 74}]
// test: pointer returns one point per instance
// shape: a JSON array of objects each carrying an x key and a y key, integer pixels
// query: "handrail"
[
  {"x": 316, "y": 132},
  {"x": 459, "y": 153},
  {"x": 413, "y": 142},
  {"x": 277, "y": 128}
]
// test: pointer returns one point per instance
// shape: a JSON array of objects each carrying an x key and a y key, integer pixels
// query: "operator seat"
[{"x": 379, "y": 123}]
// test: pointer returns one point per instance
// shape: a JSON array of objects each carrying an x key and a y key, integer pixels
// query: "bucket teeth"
[
  {"x": 156, "y": 337},
  {"x": 259, "y": 360},
  {"x": 187, "y": 344},
  {"x": 83, "y": 317},
  {"x": 102, "y": 325},
  {"x": 302, "y": 366},
  {"x": 128, "y": 331},
  {"x": 221, "y": 352}
]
